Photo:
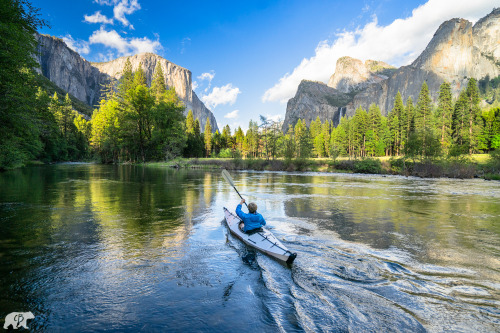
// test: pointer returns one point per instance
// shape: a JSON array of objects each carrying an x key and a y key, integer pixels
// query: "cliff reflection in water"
[{"x": 429, "y": 214}]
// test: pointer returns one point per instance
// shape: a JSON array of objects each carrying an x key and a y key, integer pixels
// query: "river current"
[{"x": 89, "y": 247}]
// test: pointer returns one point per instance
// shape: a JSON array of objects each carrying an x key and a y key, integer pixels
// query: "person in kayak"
[{"x": 251, "y": 221}]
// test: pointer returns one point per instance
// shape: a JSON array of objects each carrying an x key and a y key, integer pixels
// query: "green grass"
[{"x": 480, "y": 165}]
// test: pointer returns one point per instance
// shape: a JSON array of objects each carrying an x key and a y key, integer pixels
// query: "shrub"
[{"x": 368, "y": 165}]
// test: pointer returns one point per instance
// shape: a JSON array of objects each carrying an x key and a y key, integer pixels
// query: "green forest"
[{"x": 135, "y": 122}]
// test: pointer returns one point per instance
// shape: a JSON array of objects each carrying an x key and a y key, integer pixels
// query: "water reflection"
[{"x": 83, "y": 246}]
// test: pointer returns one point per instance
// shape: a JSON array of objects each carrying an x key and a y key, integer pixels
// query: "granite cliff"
[
  {"x": 315, "y": 99},
  {"x": 83, "y": 79},
  {"x": 457, "y": 52},
  {"x": 352, "y": 75}
]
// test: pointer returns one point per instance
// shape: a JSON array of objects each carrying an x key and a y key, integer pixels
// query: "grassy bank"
[{"x": 476, "y": 166}]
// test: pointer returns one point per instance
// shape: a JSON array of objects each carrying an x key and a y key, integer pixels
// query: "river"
[{"x": 89, "y": 247}]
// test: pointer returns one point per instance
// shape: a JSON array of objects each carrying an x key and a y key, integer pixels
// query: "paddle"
[{"x": 228, "y": 178}]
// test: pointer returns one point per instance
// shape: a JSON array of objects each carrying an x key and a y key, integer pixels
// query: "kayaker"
[{"x": 251, "y": 221}]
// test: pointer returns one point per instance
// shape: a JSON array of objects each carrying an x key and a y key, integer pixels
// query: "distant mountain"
[
  {"x": 457, "y": 52},
  {"x": 84, "y": 80}
]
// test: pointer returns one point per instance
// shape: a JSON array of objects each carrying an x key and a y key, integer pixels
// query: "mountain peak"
[{"x": 353, "y": 75}]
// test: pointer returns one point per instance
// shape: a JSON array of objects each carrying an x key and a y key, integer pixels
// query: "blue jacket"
[{"x": 252, "y": 221}]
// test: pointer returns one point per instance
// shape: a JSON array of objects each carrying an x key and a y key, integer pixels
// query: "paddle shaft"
[
  {"x": 240, "y": 195},
  {"x": 227, "y": 176}
]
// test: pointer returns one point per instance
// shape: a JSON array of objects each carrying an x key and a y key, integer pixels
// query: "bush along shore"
[{"x": 452, "y": 167}]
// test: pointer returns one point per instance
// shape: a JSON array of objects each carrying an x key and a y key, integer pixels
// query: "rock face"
[
  {"x": 315, "y": 99},
  {"x": 457, "y": 52},
  {"x": 352, "y": 75},
  {"x": 69, "y": 71}
]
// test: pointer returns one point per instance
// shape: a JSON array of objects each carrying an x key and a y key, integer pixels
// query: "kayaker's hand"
[{"x": 242, "y": 201}]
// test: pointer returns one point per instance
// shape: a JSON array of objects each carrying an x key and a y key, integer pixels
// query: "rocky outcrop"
[
  {"x": 352, "y": 75},
  {"x": 315, "y": 99},
  {"x": 69, "y": 71},
  {"x": 457, "y": 52}
]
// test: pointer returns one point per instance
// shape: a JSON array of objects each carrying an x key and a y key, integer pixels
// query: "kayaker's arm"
[
  {"x": 263, "y": 222},
  {"x": 240, "y": 213}
]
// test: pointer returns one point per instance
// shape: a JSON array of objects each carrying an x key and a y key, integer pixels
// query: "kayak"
[{"x": 261, "y": 239}]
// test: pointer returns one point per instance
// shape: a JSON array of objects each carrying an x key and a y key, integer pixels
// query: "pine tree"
[
  {"x": 325, "y": 132},
  {"x": 409, "y": 121},
  {"x": 126, "y": 79},
  {"x": 158, "y": 85},
  {"x": 226, "y": 137},
  {"x": 460, "y": 136},
  {"x": 239, "y": 138},
  {"x": 423, "y": 111},
  {"x": 208, "y": 137},
  {"x": 359, "y": 129},
  {"x": 444, "y": 114},
  {"x": 190, "y": 123},
  {"x": 474, "y": 115},
  {"x": 423, "y": 117},
  {"x": 398, "y": 111}
]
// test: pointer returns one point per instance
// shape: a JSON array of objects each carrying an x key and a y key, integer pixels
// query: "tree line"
[{"x": 451, "y": 127}]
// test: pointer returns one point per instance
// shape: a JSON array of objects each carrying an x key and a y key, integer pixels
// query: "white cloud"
[
  {"x": 120, "y": 9},
  {"x": 274, "y": 118},
  {"x": 97, "y": 17},
  {"x": 125, "y": 7},
  {"x": 124, "y": 46},
  {"x": 221, "y": 95},
  {"x": 398, "y": 43},
  {"x": 208, "y": 76},
  {"x": 194, "y": 85},
  {"x": 79, "y": 46},
  {"x": 232, "y": 115}
]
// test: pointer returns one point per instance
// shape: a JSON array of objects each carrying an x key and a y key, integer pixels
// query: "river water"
[{"x": 88, "y": 247}]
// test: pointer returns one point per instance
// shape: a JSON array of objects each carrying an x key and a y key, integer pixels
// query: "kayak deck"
[{"x": 263, "y": 240}]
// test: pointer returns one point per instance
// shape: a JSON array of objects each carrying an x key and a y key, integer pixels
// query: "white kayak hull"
[{"x": 263, "y": 241}]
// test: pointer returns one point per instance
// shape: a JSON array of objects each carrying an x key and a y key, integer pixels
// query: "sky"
[{"x": 247, "y": 58}]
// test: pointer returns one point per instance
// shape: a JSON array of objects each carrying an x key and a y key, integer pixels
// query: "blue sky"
[{"x": 248, "y": 57}]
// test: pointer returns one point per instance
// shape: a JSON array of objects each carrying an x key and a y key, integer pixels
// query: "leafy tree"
[
  {"x": 168, "y": 131},
  {"x": 20, "y": 139}
]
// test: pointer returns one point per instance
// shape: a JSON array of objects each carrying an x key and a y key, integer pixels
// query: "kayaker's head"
[{"x": 252, "y": 207}]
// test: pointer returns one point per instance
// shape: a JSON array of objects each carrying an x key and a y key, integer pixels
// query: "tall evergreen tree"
[
  {"x": 423, "y": 117},
  {"x": 444, "y": 114},
  {"x": 423, "y": 110},
  {"x": 208, "y": 137},
  {"x": 158, "y": 85},
  {"x": 409, "y": 121},
  {"x": 190, "y": 123},
  {"x": 475, "y": 124}
]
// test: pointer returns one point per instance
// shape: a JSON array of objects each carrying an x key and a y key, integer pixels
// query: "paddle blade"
[{"x": 227, "y": 177}]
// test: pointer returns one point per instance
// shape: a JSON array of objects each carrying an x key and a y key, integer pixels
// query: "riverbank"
[{"x": 475, "y": 166}]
